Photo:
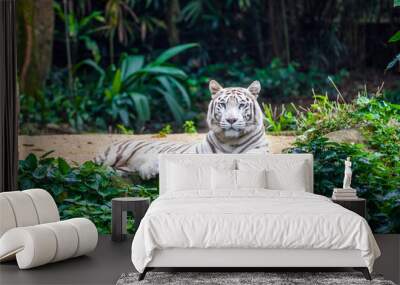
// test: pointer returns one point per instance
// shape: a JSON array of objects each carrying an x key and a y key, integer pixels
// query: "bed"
[{"x": 246, "y": 211}]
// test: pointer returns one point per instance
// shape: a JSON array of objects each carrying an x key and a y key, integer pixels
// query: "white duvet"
[{"x": 250, "y": 219}]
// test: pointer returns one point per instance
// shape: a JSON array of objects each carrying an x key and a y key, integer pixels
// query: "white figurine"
[{"x": 347, "y": 174}]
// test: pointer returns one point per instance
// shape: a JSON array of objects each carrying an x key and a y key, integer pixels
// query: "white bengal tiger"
[{"x": 235, "y": 123}]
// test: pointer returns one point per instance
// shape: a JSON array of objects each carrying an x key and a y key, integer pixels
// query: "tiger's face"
[{"x": 234, "y": 111}]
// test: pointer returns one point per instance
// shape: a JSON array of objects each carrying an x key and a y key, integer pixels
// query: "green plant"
[
  {"x": 79, "y": 190},
  {"x": 189, "y": 127},
  {"x": 132, "y": 85},
  {"x": 128, "y": 95},
  {"x": 277, "y": 79},
  {"x": 81, "y": 29},
  {"x": 394, "y": 39},
  {"x": 392, "y": 96},
  {"x": 117, "y": 14},
  {"x": 276, "y": 121},
  {"x": 166, "y": 130},
  {"x": 324, "y": 116},
  {"x": 376, "y": 164},
  {"x": 125, "y": 131}
]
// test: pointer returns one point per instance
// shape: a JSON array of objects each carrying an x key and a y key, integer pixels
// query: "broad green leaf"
[
  {"x": 116, "y": 84},
  {"x": 95, "y": 66},
  {"x": 26, "y": 183},
  {"x": 124, "y": 116},
  {"x": 108, "y": 95},
  {"x": 71, "y": 178},
  {"x": 163, "y": 70},
  {"x": 393, "y": 63},
  {"x": 130, "y": 65},
  {"x": 169, "y": 53},
  {"x": 56, "y": 189},
  {"x": 31, "y": 161},
  {"x": 173, "y": 105},
  {"x": 142, "y": 107},
  {"x": 87, "y": 167},
  {"x": 182, "y": 90},
  {"x": 95, "y": 15},
  {"x": 63, "y": 166},
  {"x": 93, "y": 184},
  {"x": 396, "y": 3},
  {"x": 93, "y": 47},
  {"x": 170, "y": 97},
  {"x": 191, "y": 12},
  {"x": 395, "y": 37},
  {"x": 72, "y": 26},
  {"x": 59, "y": 11},
  {"x": 40, "y": 172}
]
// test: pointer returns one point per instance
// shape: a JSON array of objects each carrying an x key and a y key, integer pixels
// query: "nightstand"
[
  {"x": 357, "y": 205},
  {"x": 120, "y": 206}
]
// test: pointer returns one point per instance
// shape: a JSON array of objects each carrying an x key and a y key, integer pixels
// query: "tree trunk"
[
  {"x": 285, "y": 31},
  {"x": 278, "y": 30},
  {"x": 259, "y": 34},
  {"x": 273, "y": 30},
  {"x": 172, "y": 15},
  {"x": 35, "y": 26},
  {"x": 67, "y": 10}
]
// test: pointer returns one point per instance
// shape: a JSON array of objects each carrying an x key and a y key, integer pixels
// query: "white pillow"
[
  {"x": 251, "y": 179},
  {"x": 282, "y": 174},
  {"x": 183, "y": 177},
  {"x": 223, "y": 179},
  {"x": 226, "y": 180},
  {"x": 294, "y": 179}
]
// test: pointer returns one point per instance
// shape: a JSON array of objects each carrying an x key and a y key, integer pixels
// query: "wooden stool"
[{"x": 120, "y": 206}]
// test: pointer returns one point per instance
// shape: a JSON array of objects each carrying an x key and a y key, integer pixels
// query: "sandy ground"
[{"x": 81, "y": 148}]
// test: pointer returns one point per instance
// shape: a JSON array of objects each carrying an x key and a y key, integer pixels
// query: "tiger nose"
[{"x": 231, "y": 120}]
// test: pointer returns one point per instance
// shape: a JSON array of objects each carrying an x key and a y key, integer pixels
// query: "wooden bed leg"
[
  {"x": 143, "y": 274},
  {"x": 364, "y": 271}
]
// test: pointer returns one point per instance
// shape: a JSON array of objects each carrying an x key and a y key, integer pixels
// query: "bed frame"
[
  {"x": 246, "y": 259},
  {"x": 237, "y": 259}
]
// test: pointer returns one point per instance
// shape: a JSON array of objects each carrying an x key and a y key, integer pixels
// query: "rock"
[{"x": 346, "y": 136}]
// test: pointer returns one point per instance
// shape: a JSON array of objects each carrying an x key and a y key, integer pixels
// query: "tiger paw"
[{"x": 148, "y": 169}]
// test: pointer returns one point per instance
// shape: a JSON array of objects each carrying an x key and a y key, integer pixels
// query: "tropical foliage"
[
  {"x": 79, "y": 190},
  {"x": 129, "y": 94},
  {"x": 279, "y": 81},
  {"x": 376, "y": 163},
  {"x": 91, "y": 88}
]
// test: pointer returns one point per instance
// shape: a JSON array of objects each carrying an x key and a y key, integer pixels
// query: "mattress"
[{"x": 253, "y": 219}]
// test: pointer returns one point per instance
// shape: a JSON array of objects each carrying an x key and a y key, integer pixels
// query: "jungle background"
[{"x": 329, "y": 72}]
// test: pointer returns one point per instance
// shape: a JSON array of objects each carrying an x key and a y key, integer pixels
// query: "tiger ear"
[
  {"x": 255, "y": 88},
  {"x": 214, "y": 88}
]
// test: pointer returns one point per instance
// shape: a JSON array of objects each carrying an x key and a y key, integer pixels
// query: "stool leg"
[{"x": 116, "y": 227}]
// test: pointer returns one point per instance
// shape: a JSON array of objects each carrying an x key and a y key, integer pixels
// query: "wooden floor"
[
  {"x": 110, "y": 259},
  {"x": 103, "y": 266}
]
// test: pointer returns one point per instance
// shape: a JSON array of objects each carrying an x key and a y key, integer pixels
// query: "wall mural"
[{"x": 120, "y": 81}]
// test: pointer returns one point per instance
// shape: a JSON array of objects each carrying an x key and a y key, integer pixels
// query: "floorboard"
[
  {"x": 110, "y": 259},
  {"x": 103, "y": 266}
]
